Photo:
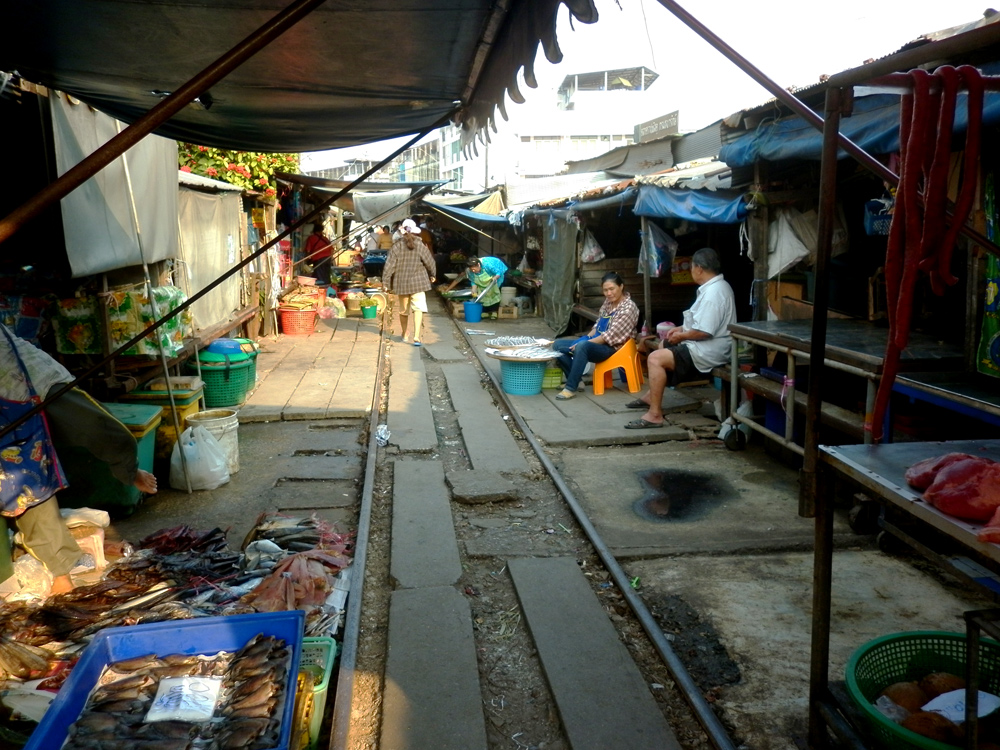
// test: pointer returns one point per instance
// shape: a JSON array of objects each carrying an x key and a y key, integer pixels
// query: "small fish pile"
[
  {"x": 505, "y": 342},
  {"x": 251, "y": 693},
  {"x": 296, "y": 534},
  {"x": 535, "y": 352}
]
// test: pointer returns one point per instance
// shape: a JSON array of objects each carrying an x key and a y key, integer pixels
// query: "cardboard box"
[
  {"x": 507, "y": 312},
  {"x": 778, "y": 290}
]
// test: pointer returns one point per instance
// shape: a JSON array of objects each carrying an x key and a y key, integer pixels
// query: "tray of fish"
[
  {"x": 512, "y": 342},
  {"x": 221, "y": 682},
  {"x": 525, "y": 353}
]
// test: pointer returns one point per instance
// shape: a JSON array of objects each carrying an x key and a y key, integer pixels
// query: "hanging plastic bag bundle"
[{"x": 206, "y": 461}]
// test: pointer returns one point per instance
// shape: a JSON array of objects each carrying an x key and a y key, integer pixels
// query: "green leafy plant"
[
  {"x": 249, "y": 170},
  {"x": 368, "y": 302}
]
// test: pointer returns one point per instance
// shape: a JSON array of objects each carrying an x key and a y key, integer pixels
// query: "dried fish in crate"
[{"x": 506, "y": 342}]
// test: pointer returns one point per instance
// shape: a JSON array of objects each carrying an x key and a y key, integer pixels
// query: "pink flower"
[
  {"x": 202, "y": 148},
  {"x": 262, "y": 181},
  {"x": 185, "y": 168},
  {"x": 270, "y": 191},
  {"x": 211, "y": 171}
]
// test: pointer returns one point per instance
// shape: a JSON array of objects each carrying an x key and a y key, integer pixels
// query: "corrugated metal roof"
[
  {"x": 628, "y": 161},
  {"x": 189, "y": 179},
  {"x": 708, "y": 175}
]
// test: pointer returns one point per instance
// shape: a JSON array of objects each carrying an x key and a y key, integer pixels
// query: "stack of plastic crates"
[
  {"x": 226, "y": 377},
  {"x": 315, "y": 671}
]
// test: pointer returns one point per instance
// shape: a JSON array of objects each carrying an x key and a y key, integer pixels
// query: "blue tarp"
[
  {"x": 874, "y": 126},
  {"x": 694, "y": 205},
  {"x": 466, "y": 215}
]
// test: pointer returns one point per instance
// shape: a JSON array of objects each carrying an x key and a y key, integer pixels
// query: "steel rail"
[
  {"x": 159, "y": 114},
  {"x": 344, "y": 696},
  {"x": 691, "y": 692}
]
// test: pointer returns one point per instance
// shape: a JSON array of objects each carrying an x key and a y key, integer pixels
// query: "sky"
[{"x": 792, "y": 41}]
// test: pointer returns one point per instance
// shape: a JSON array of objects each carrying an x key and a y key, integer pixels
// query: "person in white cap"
[{"x": 408, "y": 274}]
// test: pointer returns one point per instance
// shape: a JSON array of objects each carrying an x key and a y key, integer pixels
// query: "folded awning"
[
  {"x": 718, "y": 207},
  {"x": 463, "y": 214},
  {"x": 350, "y": 73}
]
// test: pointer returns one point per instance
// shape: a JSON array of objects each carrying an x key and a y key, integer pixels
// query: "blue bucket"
[{"x": 473, "y": 311}]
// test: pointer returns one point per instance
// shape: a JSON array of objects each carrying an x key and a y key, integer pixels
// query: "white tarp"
[
  {"x": 97, "y": 216},
  {"x": 792, "y": 237},
  {"x": 368, "y": 206},
  {"x": 209, "y": 229}
]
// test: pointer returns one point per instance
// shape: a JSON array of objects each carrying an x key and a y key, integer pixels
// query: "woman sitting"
[{"x": 615, "y": 325}]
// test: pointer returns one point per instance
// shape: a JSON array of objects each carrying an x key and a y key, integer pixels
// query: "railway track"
[{"x": 521, "y": 705}]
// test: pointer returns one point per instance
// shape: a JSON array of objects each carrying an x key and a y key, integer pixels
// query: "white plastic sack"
[
  {"x": 206, "y": 461},
  {"x": 591, "y": 252}
]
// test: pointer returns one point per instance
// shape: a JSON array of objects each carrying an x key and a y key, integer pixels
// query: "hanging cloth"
[{"x": 29, "y": 468}]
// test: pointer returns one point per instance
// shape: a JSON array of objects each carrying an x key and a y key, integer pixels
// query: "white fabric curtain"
[
  {"x": 369, "y": 205},
  {"x": 97, "y": 216},
  {"x": 209, "y": 229}
]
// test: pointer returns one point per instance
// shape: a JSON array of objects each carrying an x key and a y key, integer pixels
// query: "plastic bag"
[
  {"x": 591, "y": 252},
  {"x": 337, "y": 305},
  {"x": 206, "y": 462},
  {"x": 657, "y": 252}
]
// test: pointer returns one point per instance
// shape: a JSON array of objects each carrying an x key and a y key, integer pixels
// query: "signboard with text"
[{"x": 658, "y": 128}]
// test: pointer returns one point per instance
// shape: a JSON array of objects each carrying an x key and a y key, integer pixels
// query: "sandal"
[
  {"x": 565, "y": 395},
  {"x": 637, "y": 404},
  {"x": 641, "y": 424}
]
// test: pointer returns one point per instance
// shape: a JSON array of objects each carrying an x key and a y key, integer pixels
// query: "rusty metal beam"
[
  {"x": 158, "y": 115},
  {"x": 802, "y": 110}
]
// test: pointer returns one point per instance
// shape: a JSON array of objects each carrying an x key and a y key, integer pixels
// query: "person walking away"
[
  {"x": 615, "y": 325},
  {"x": 691, "y": 350},
  {"x": 318, "y": 250},
  {"x": 486, "y": 275},
  {"x": 30, "y": 474},
  {"x": 408, "y": 274}
]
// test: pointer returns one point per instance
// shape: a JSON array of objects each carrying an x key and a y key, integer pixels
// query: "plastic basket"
[
  {"x": 522, "y": 378},
  {"x": 318, "y": 656},
  {"x": 903, "y": 657},
  {"x": 552, "y": 378},
  {"x": 297, "y": 322},
  {"x": 876, "y": 222},
  {"x": 225, "y": 385}
]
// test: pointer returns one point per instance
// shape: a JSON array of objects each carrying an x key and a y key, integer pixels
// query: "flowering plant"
[{"x": 249, "y": 170}]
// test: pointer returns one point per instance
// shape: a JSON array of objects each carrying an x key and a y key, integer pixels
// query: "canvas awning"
[{"x": 333, "y": 80}]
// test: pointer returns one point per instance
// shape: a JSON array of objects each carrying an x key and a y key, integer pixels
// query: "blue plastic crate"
[{"x": 207, "y": 635}]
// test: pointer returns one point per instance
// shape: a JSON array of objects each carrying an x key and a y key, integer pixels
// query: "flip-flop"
[
  {"x": 417, "y": 343},
  {"x": 642, "y": 424},
  {"x": 637, "y": 404}
]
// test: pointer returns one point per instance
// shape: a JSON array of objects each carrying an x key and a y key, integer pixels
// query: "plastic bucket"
[
  {"x": 369, "y": 312},
  {"x": 507, "y": 294},
  {"x": 223, "y": 425},
  {"x": 473, "y": 311}
]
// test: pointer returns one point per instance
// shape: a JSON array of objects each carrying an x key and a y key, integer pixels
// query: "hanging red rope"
[{"x": 920, "y": 238}]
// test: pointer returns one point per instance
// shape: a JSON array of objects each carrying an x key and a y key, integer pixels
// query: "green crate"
[
  {"x": 226, "y": 384},
  {"x": 318, "y": 656},
  {"x": 905, "y": 657},
  {"x": 552, "y": 378}
]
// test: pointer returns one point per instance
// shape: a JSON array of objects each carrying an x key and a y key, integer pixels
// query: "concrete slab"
[
  {"x": 761, "y": 607},
  {"x": 480, "y": 486},
  {"x": 602, "y": 698},
  {"x": 409, "y": 417},
  {"x": 444, "y": 352},
  {"x": 317, "y": 467},
  {"x": 303, "y": 495},
  {"x": 424, "y": 550},
  {"x": 488, "y": 440},
  {"x": 432, "y": 696},
  {"x": 721, "y": 501}
]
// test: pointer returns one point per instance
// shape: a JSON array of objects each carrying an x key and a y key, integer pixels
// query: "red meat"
[
  {"x": 991, "y": 531},
  {"x": 967, "y": 488},
  {"x": 921, "y": 475}
]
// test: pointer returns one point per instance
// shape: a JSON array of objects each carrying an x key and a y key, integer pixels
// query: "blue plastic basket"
[
  {"x": 522, "y": 378},
  {"x": 876, "y": 222},
  {"x": 204, "y": 635}
]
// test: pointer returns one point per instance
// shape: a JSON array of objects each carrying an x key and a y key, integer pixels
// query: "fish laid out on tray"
[
  {"x": 224, "y": 700},
  {"x": 525, "y": 352},
  {"x": 961, "y": 485},
  {"x": 508, "y": 342}
]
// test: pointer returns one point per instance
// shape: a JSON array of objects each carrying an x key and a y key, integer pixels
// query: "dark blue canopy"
[
  {"x": 694, "y": 205},
  {"x": 465, "y": 214}
]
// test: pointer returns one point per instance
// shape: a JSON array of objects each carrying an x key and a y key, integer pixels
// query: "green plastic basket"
[
  {"x": 905, "y": 657},
  {"x": 318, "y": 655},
  {"x": 552, "y": 378},
  {"x": 522, "y": 378},
  {"x": 226, "y": 377}
]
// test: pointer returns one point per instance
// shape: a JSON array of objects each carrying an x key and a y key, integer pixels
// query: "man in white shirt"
[{"x": 693, "y": 349}]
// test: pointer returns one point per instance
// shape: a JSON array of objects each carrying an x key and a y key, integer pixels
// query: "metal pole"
[
  {"x": 647, "y": 286},
  {"x": 156, "y": 314},
  {"x": 817, "y": 498},
  {"x": 158, "y": 115},
  {"x": 803, "y": 111}
]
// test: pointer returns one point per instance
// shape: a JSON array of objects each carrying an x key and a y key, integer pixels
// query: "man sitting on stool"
[{"x": 693, "y": 349}]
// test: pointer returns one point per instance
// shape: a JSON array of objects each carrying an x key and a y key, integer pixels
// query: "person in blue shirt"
[{"x": 486, "y": 275}]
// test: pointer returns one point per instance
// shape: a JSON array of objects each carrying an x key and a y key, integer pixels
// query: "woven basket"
[
  {"x": 297, "y": 322},
  {"x": 905, "y": 657}
]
